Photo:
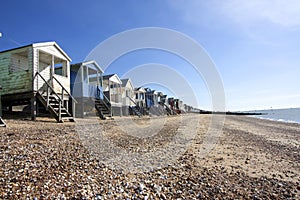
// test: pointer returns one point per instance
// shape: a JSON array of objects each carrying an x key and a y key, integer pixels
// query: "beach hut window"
[{"x": 60, "y": 68}]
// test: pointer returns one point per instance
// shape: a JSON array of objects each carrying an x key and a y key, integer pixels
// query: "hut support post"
[
  {"x": 10, "y": 109},
  {"x": 73, "y": 108},
  {"x": 82, "y": 108},
  {"x": 0, "y": 102},
  {"x": 33, "y": 108},
  {"x": 0, "y": 107},
  {"x": 52, "y": 70},
  {"x": 120, "y": 99},
  {"x": 59, "y": 111}
]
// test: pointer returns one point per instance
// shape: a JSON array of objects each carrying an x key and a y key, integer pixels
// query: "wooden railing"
[
  {"x": 133, "y": 101},
  {"x": 106, "y": 101},
  {"x": 63, "y": 89},
  {"x": 170, "y": 111},
  {"x": 60, "y": 98},
  {"x": 141, "y": 109}
]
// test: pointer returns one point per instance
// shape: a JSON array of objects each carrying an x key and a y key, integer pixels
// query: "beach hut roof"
[
  {"x": 113, "y": 78},
  {"x": 140, "y": 89},
  {"x": 42, "y": 44},
  {"x": 92, "y": 64},
  {"x": 160, "y": 94},
  {"x": 150, "y": 91},
  {"x": 126, "y": 81}
]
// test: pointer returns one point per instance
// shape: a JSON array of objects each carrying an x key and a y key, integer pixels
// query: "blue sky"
[{"x": 255, "y": 45}]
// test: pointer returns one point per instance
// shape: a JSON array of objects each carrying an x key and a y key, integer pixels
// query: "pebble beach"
[{"x": 252, "y": 159}]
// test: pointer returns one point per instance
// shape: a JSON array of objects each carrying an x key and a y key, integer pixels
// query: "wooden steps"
[
  {"x": 56, "y": 108},
  {"x": 169, "y": 110},
  {"x": 55, "y": 103},
  {"x": 103, "y": 108},
  {"x": 135, "y": 110}
]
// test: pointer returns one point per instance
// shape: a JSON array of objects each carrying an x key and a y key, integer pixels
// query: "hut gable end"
[{"x": 52, "y": 50}]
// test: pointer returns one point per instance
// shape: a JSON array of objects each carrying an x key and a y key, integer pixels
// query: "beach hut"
[
  {"x": 162, "y": 98},
  {"x": 151, "y": 98},
  {"x": 139, "y": 94},
  {"x": 129, "y": 105},
  {"x": 86, "y": 87},
  {"x": 172, "y": 106},
  {"x": 181, "y": 106},
  {"x": 37, "y": 72},
  {"x": 163, "y": 102},
  {"x": 152, "y": 102},
  {"x": 140, "y": 99},
  {"x": 127, "y": 92},
  {"x": 177, "y": 106},
  {"x": 112, "y": 91}
]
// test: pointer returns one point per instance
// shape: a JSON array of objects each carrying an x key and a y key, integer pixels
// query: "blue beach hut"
[{"x": 86, "y": 85}]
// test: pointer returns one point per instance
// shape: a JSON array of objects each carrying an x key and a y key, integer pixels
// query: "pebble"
[{"x": 45, "y": 163}]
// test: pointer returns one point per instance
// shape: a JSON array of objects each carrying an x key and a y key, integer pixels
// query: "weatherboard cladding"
[
  {"x": 12, "y": 78},
  {"x": 127, "y": 92},
  {"x": 18, "y": 67}
]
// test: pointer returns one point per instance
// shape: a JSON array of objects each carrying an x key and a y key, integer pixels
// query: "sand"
[{"x": 252, "y": 159}]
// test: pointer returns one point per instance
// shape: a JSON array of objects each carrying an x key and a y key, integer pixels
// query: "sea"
[{"x": 291, "y": 115}]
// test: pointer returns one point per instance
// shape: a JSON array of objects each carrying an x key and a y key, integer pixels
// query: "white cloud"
[
  {"x": 282, "y": 12},
  {"x": 285, "y": 13}
]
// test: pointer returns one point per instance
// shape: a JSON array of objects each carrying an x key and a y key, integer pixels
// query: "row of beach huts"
[{"x": 41, "y": 78}]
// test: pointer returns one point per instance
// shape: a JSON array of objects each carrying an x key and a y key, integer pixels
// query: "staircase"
[
  {"x": 56, "y": 107},
  {"x": 103, "y": 108},
  {"x": 135, "y": 110},
  {"x": 169, "y": 110},
  {"x": 102, "y": 105},
  {"x": 2, "y": 123},
  {"x": 55, "y": 103}
]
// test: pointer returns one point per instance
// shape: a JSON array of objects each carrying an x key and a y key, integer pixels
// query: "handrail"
[
  {"x": 98, "y": 89},
  {"x": 107, "y": 106},
  {"x": 49, "y": 86},
  {"x": 131, "y": 99},
  {"x": 166, "y": 107},
  {"x": 63, "y": 88},
  {"x": 60, "y": 99},
  {"x": 138, "y": 105}
]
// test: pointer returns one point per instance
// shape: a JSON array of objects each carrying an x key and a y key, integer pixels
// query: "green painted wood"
[{"x": 13, "y": 79}]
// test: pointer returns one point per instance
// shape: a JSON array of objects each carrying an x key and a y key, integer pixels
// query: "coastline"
[
  {"x": 289, "y": 115},
  {"x": 254, "y": 158},
  {"x": 277, "y": 120}
]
